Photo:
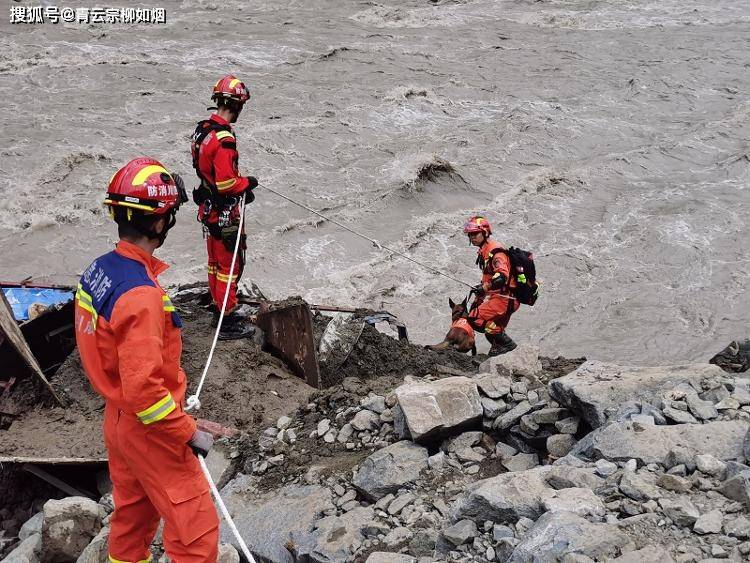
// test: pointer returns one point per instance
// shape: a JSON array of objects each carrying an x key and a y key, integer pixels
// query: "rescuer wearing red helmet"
[
  {"x": 214, "y": 152},
  {"x": 492, "y": 307},
  {"x": 128, "y": 336}
]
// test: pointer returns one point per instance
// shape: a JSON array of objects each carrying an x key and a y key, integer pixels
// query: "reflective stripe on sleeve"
[
  {"x": 167, "y": 303},
  {"x": 86, "y": 303},
  {"x": 158, "y": 410},
  {"x": 223, "y": 135},
  {"x": 226, "y": 184}
]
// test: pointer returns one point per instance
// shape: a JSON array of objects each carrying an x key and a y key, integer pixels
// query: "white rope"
[
  {"x": 224, "y": 511},
  {"x": 193, "y": 402}
]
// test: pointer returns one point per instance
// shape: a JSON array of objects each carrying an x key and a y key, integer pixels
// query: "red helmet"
[
  {"x": 477, "y": 224},
  {"x": 231, "y": 87},
  {"x": 145, "y": 185}
]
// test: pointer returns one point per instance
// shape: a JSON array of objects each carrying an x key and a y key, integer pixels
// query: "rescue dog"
[{"x": 461, "y": 335}]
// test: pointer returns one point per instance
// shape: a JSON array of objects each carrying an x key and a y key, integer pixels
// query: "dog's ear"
[
  {"x": 463, "y": 303},
  {"x": 451, "y": 304}
]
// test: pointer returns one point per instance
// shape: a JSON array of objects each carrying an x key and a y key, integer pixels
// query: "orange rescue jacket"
[
  {"x": 129, "y": 339},
  {"x": 493, "y": 263}
]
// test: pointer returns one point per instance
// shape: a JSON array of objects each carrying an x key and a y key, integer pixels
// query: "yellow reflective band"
[
  {"x": 226, "y": 184},
  {"x": 126, "y": 204},
  {"x": 146, "y": 171},
  {"x": 225, "y": 277},
  {"x": 497, "y": 275},
  {"x": 113, "y": 560},
  {"x": 224, "y": 134},
  {"x": 158, "y": 410},
  {"x": 167, "y": 303},
  {"x": 85, "y": 303},
  {"x": 234, "y": 82}
]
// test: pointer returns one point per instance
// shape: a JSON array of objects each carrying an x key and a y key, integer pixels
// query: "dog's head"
[{"x": 458, "y": 310}]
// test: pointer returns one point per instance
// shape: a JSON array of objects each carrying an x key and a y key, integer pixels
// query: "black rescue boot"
[
  {"x": 235, "y": 326},
  {"x": 500, "y": 344}
]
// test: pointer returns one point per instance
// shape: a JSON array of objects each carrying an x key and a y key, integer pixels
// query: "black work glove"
[
  {"x": 201, "y": 443},
  {"x": 477, "y": 290},
  {"x": 252, "y": 182}
]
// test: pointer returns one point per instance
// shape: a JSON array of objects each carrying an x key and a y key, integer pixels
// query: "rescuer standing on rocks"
[
  {"x": 493, "y": 305},
  {"x": 128, "y": 335},
  {"x": 214, "y": 152}
]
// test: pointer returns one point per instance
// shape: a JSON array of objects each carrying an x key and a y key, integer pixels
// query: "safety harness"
[{"x": 207, "y": 194}]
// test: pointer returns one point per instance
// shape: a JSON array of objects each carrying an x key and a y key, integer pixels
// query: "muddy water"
[{"x": 611, "y": 137}]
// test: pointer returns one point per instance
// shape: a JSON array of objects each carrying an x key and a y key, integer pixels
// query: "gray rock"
[
  {"x": 334, "y": 538},
  {"x": 227, "y": 554},
  {"x": 437, "y": 462},
  {"x": 650, "y": 554},
  {"x": 639, "y": 486},
  {"x": 704, "y": 410},
  {"x": 674, "y": 483},
  {"x": 598, "y": 391},
  {"x": 69, "y": 526},
  {"x": 738, "y": 528},
  {"x": 678, "y": 456},
  {"x": 400, "y": 502},
  {"x": 374, "y": 403},
  {"x": 493, "y": 407},
  {"x": 283, "y": 422},
  {"x": 582, "y": 502},
  {"x": 466, "y": 455},
  {"x": 32, "y": 526},
  {"x": 508, "y": 419},
  {"x": 422, "y": 544},
  {"x": 523, "y": 361},
  {"x": 499, "y": 532},
  {"x": 390, "y": 468},
  {"x": 521, "y": 462},
  {"x": 323, "y": 427},
  {"x": 345, "y": 433},
  {"x": 504, "y": 498},
  {"x": 559, "y": 445},
  {"x": 397, "y": 537},
  {"x": 269, "y": 522},
  {"x": 463, "y": 440},
  {"x": 503, "y": 450},
  {"x": 492, "y": 385},
  {"x": 619, "y": 441},
  {"x": 27, "y": 551},
  {"x": 680, "y": 510},
  {"x": 641, "y": 421},
  {"x": 567, "y": 477},
  {"x": 365, "y": 420},
  {"x": 550, "y": 415},
  {"x": 461, "y": 532},
  {"x": 727, "y": 404},
  {"x": 648, "y": 409},
  {"x": 738, "y": 488},
  {"x": 680, "y": 417},
  {"x": 556, "y": 534},
  {"x": 709, "y": 523},
  {"x": 568, "y": 425},
  {"x": 708, "y": 464},
  {"x": 385, "y": 557},
  {"x": 96, "y": 551},
  {"x": 428, "y": 410},
  {"x": 734, "y": 468},
  {"x": 605, "y": 468}
]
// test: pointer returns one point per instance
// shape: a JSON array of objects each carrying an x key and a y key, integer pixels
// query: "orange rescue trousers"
[
  {"x": 219, "y": 261},
  {"x": 491, "y": 314},
  {"x": 155, "y": 476}
]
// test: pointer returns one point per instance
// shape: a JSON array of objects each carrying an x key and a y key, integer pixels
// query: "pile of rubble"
[{"x": 514, "y": 461}]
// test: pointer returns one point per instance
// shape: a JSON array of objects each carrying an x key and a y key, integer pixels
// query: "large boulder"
[
  {"x": 521, "y": 362},
  {"x": 426, "y": 411},
  {"x": 27, "y": 551},
  {"x": 271, "y": 522},
  {"x": 386, "y": 557},
  {"x": 650, "y": 554},
  {"x": 69, "y": 526},
  {"x": 389, "y": 469},
  {"x": 96, "y": 551},
  {"x": 335, "y": 538},
  {"x": 556, "y": 534},
  {"x": 598, "y": 390},
  {"x": 504, "y": 498},
  {"x": 621, "y": 441}
]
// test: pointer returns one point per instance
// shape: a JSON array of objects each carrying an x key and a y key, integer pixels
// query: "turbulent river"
[{"x": 612, "y": 138}]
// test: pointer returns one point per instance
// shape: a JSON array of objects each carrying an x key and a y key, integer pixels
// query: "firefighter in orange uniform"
[
  {"x": 128, "y": 335},
  {"x": 214, "y": 152},
  {"x": 492, "y": 307}
]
